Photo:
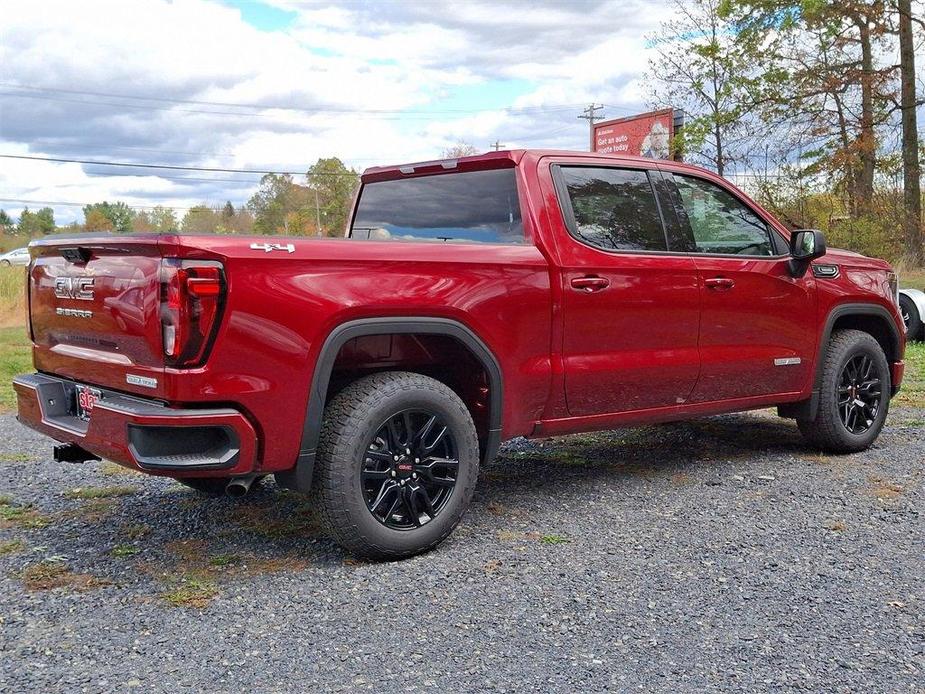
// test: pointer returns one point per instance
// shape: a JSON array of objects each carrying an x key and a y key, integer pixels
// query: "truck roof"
[{"x": 490, "y": 160}]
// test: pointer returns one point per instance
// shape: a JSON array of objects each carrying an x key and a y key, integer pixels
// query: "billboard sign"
[{"x": 644, "y": 135}]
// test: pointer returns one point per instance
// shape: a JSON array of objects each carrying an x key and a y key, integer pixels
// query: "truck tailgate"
[{"x": 94, "y": 308}]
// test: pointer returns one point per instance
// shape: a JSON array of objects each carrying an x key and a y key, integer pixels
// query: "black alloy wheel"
[
  {"x": 409, "y": 469},
  {"x": 396, "y": 464},
  {"x": 859, "y": 389},
  {"x": 854, "y": 394}
]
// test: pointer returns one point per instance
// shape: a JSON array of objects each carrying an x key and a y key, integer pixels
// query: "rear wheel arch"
[{"x": 299, "y": 477}]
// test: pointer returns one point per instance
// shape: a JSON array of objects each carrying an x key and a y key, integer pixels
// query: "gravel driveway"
[{"x": 718, "y": 554}]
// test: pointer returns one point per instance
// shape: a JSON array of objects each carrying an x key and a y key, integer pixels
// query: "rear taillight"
[{"x": 192, "y": 297}]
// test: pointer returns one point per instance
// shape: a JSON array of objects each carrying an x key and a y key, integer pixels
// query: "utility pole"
[
  {"x": 497, "y": 145},
  {"x": 591, "y": 116}
]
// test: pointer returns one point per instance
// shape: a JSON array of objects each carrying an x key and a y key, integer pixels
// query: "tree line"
[
  {"x": 317, "y": 206},
  {"x": 809, "y": 104}
]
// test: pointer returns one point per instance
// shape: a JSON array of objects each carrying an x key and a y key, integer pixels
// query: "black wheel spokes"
[
  {"x": 859, "y": 393},
  {"x": 409, "y": 469}
]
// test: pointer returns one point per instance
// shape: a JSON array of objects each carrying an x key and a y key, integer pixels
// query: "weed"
[
  {"x": 554, "y": 540},
  {"x": 222, "y": 560},
  {"x": 22, "y": 517},
  {"x": 47, "y": 575},
  {"x": 192, "y": 591},
  {"x": 110, "y": 468},
  {"x": 11, "y": 546},
  {"x": 124, "y": 550}
]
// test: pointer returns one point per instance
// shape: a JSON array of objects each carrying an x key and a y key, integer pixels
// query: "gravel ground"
[{"x": 713, "y": 555}]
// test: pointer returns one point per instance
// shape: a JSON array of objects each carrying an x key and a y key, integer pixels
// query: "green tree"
[
  {"x": 834, "y": 88},
  {"x": 118, "y": 213},
  {"x": 163, "y": 219},
  {"x": 95, "y": 219},
  {"x": 36, "y": 223},
  {"x": 141, "y": 221},
  {"x": 331, "y": 187},
  {"x": 6, "y": 222},
  {"x": 706, "y": 68},
  {"x": 201, "y": 219},
  {"x": 276, "y": 197}
]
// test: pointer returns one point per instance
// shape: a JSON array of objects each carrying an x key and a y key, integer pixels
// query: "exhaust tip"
[{"x": 239, "y": 486}]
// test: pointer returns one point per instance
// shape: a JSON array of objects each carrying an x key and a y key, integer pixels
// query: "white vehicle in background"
[
  {"x": 912, "y": 308},
  {"x": 18, "y": 256}
]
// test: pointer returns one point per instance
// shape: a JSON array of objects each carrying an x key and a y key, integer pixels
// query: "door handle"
[
  {"x": 719, "y": 283},
  {"x": 589, "y": 284}
]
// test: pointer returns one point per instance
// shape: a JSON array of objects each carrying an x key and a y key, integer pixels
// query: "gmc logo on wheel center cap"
[{"x": 74, "y": 288}]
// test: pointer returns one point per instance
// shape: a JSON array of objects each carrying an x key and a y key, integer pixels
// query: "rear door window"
[
  {"x": 471, "y": 206},
  {"x": 613, "y": 209}
]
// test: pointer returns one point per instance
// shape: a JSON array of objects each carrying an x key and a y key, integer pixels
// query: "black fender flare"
[
  {"x": 808, "y": 408},
  {"x": 299, "y": 477}
]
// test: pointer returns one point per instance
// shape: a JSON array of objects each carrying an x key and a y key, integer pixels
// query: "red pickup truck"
[{"x": 522, "y": 293}]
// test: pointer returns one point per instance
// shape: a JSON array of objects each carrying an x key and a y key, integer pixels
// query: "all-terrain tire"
[
  {"x": 827, "y": 431},
  {"x": 351, "y": 420}
]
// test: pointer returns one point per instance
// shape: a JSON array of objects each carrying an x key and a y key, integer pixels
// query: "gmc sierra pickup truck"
[{"x": 521, "y": 293}]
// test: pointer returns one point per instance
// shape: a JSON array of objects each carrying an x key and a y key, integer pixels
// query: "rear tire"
[
  {"x": 389, "y": 481},
  {"x": 911, "y": 318},
  {"x": 854, "y": 397}
]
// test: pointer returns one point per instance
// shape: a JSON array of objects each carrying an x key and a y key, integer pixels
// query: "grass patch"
[
  {"x": 14, "y": 458},
  {"x": 109, "y": 468},
  {"x": 93, "y": 510},
  {"x": 99, "y": 492},
  {"x": 124, "y": 550},
  {"x": 15, "y": 358},
  {"x": 21, "y": 516},
  {"x": 221, "y": 560},
  {"x": 11, "y": 546},
  {"x": 912, "y": 393},
  {"x": 47, "y": 575},
  {"x": 192, "y": 591},
  {"x": 554, "y": 540}
]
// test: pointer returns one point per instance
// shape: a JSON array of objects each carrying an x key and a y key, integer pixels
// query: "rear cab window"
[{"x": 467, "y": 207}]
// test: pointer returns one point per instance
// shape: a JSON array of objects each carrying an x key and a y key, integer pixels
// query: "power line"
[
  {"x": 170, "y": 166},
  {"x": 84, "y": 204},
  {"x": 257, "y": 107}
]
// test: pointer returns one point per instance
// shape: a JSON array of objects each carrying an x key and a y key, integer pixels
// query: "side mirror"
[{"x": 805, "y": 246}]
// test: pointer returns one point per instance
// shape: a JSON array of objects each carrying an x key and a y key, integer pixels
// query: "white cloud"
[{"x": 394, "y": 63}]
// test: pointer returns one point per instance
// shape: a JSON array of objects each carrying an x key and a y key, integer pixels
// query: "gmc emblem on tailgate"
[{"x": 74, "y": 288}]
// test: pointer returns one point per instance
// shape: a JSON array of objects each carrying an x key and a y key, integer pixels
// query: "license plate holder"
[{"x": 85, "y": 399}]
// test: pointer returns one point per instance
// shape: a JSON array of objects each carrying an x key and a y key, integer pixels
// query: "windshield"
[{"x": 475, "y": 206}]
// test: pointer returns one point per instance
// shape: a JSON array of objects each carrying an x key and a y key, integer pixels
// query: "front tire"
[
  {"x": 854, "y": 397},
  {"x": 396, "y": 465}
]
